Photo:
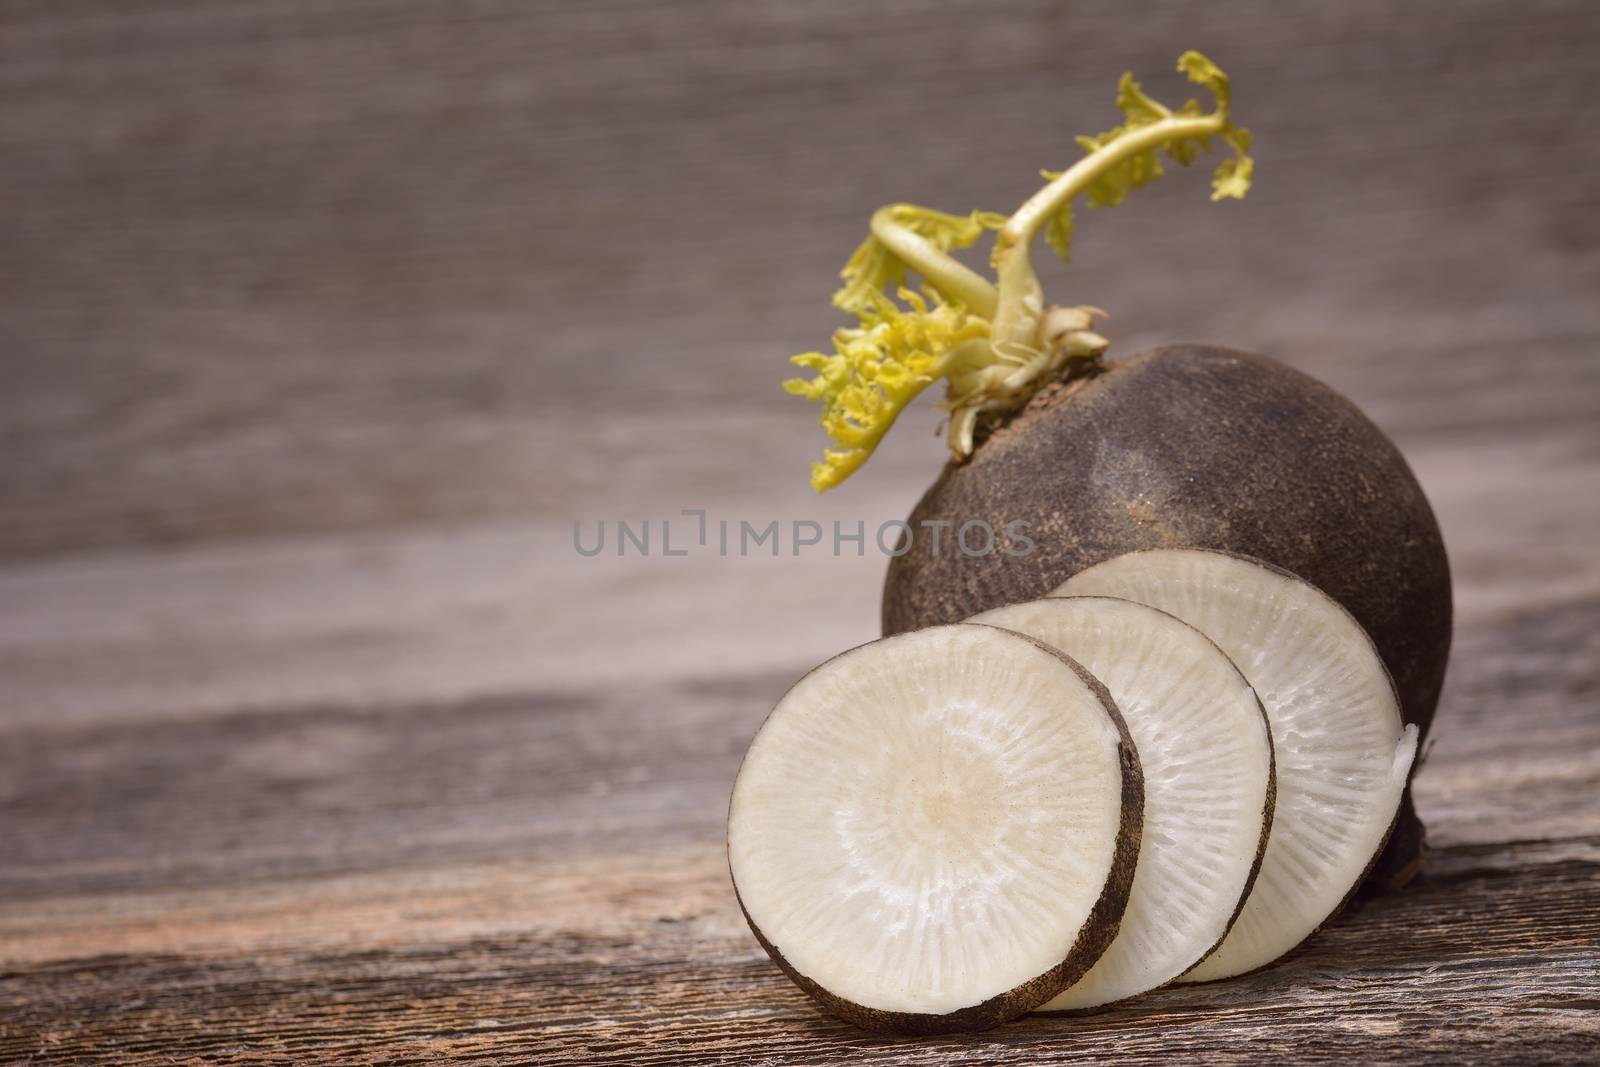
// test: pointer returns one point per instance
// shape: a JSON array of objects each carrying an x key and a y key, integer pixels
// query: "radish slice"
[
  {"x": 1342, "y": 751},
  {"x": 1206, "y": 752},
  {"x": 938, "y": 831}
]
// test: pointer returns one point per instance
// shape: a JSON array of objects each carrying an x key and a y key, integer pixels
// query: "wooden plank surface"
[
  {"x": 319, "y": 326},
  {"x": 543, "y": 879}
]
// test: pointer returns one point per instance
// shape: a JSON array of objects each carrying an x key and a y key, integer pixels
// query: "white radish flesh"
[
  {"x": 1343, "y": 754},
  {"x": 1206, "y": 753},
  {"x": 937, "y": 830}
]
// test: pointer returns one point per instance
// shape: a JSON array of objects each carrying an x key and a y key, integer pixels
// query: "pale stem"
[
  {"x": 1021, "y": 228},
  {"x": 944, "y": 272},
  {"x": 1016, "y": 311}
]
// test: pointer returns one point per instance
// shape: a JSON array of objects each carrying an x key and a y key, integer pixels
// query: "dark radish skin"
[{"x": 1189, "y": 446}]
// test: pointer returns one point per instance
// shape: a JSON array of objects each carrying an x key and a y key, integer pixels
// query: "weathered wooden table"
[{"x": 321, "y": 325}]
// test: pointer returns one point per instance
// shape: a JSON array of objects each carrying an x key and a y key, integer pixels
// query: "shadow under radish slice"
[
  {"x": 937, "y": 831},
  {"x": 1342, "y": 752},
  {"x": 1206, "y": 753}
]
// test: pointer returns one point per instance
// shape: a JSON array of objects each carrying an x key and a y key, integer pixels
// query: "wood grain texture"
[
  {"x": 544, "y": 879},
  {"x": 318, "y": 741},
  {"x": 1490, "y": 958},
  {"x": 290, "y": 266}
]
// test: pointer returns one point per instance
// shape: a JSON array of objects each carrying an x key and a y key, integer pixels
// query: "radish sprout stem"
[{"x": 996, "y": 345}]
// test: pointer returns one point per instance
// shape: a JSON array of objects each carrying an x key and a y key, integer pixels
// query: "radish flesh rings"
[
  {"x": 1206, "y": 753},
  {"x": 938, "y": 831},
  {"x": 1342, "y": 752}
]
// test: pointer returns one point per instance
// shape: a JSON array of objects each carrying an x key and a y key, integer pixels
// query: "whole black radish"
[{"x": 1072, "y": 459}]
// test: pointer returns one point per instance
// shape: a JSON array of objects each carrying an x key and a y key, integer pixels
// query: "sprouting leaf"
[
  {"x": 1134, "y": 103},
  {"x": 1232, "y": 178},
  {"x": 991, "y": 341},
  {"x": 1058, "y": 232},
  {"x": 1202, "y": 71},
  {"x": 878, "y": 368},
  {"x": 1112, "y": 185},
  {"x": 873, "y": 268}
]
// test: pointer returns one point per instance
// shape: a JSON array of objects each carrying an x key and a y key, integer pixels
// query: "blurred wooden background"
[{"x": 320, "y": 324}]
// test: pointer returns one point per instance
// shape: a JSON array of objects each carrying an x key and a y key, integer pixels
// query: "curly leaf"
[
  {"x": 1112, "y": 185},
  {"x": 877, "y": 369},
  {"x": 1202, "y": 71},
  {"x": 1058, "y": 232},
  {"x": 873, "y": 268},
  {"x": 1232, "y": 176},
  {"x": 1136, "y": 105},
  {"x": 997, "y": 344}
]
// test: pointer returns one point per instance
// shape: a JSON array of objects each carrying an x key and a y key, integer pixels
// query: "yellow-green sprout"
[{"x": 995, "y": 343}]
